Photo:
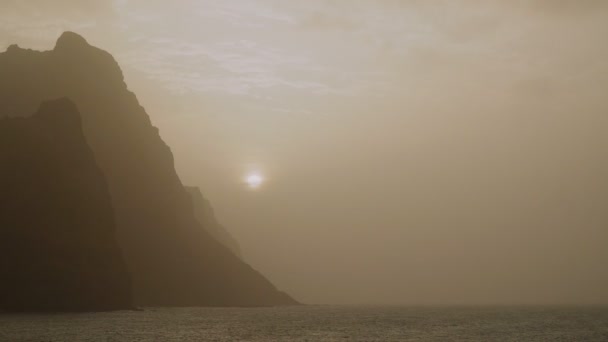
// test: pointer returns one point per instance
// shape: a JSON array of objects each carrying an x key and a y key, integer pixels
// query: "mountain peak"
[
  {"x": 13, "y": 47},
  {"x": 173, "y": 258},
  {"x": 70, "y": 40}
]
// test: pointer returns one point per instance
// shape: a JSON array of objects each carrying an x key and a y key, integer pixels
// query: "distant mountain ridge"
[
  {"x": 172, "y": 259},
  {"x": 58, "y": 249},
  {"x": 206, "y": 216}
]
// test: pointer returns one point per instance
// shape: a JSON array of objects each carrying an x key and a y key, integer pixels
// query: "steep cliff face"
[
  {"x": 58, "y": 250},
  {"x": 173, "y": 261},
  {"x": 203, "y": 211}
]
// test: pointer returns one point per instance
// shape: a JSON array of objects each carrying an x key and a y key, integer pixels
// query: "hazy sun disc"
[{"x": 254, "y": 180}]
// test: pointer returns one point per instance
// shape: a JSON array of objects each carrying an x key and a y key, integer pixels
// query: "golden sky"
[{"x": 413, "y": 151}]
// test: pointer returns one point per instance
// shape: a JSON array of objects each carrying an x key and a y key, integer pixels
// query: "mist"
[{"x": 444, "y": 154}]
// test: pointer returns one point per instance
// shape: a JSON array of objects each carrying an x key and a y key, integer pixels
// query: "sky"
[{"x": 413, "y": 152}]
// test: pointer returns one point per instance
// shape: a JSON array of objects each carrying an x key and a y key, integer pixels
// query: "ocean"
[{"x": 313, "y": 323}]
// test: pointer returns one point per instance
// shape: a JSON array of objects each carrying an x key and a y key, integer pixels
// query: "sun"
[{"x": 254, "y": 180}]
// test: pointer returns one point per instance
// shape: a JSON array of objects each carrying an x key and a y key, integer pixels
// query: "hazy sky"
[{"x": 414, "y": 152}]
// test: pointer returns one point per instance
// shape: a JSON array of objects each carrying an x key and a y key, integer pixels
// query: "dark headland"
[
  {"x": 172, "y": 258},
  {"x": 57, "y": 227}
]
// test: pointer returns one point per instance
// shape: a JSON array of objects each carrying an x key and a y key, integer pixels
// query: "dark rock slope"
[
  {"x": 203, "y": 211},
  {"x": 173, "y": 261},
  {"x": 58, "y": 250}
]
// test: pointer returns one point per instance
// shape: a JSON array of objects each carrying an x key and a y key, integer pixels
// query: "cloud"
[
  {"x": 321, "y": 21},
  {"x": 568, "y": 7},
  {"x": 58, "y": 8},
  {"x": 35, "y": 23}
]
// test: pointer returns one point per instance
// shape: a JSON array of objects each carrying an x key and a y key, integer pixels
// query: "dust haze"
[{"x": 412, "y": 153}]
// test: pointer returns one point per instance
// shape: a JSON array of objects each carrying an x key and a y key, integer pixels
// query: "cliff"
[
  {"x": 172, "y": 259},
  {"x": 203, "y": 211},
  {"x": 58, "y": 250}
]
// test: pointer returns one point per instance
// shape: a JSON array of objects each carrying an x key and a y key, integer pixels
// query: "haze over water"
[
  {"x": 415, "y": 170},
  {"x": 371, "y": 152}
]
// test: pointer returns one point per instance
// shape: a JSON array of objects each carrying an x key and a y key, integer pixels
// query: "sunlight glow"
[{"x": 254, "y": 180}]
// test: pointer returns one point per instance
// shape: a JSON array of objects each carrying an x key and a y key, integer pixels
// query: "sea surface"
[{"x": 313, "y": 323}]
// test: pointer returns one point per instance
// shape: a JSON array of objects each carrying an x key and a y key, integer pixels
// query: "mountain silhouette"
[
  {"x": 203, "y": 211},
  {"x": 58, "y": 249},
  {"x": 173, "y": 260}
]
